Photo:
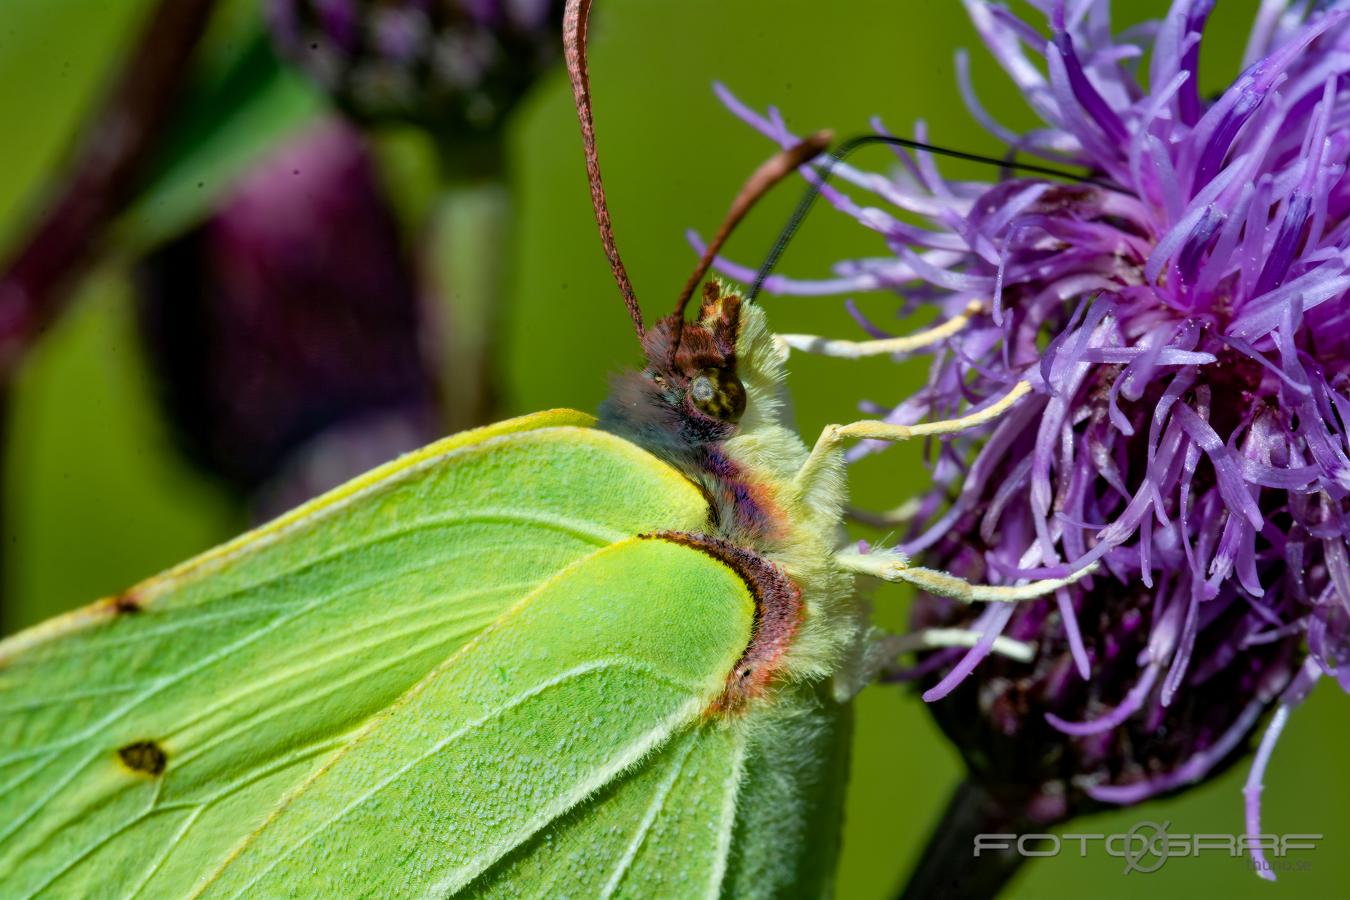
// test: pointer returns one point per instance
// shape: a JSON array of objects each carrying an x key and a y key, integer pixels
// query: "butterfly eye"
[{"x": 718, "y": 393}]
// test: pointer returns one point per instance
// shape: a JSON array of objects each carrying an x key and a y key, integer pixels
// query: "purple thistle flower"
[
  {"x": 453, "y": 66},
  {"x": 1187, "y": 340}
]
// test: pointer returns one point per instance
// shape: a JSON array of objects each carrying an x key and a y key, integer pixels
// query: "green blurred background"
[{"x": 95, "y": 497}]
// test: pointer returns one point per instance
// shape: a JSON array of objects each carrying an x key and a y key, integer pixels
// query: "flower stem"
[
  {"x": 467, "y": 254},
  {"x": 101, "y": 176},
  {"x": 948, "y": 866}
]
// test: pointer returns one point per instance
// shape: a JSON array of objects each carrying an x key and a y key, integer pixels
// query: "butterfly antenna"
[
  {"x": 576, "y": 18},
  {"x": 777, "y": 168},
  {"x": 850, "y": 146}
]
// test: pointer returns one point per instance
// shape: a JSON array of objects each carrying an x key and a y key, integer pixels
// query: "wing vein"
[
  {"x": 593, "y": 535},
  {"x": 172, "y": 844},
  {"x": 728, "y": 821},
  {"x": 346, "y": 648},
  {"x": 654, "y": 809},
  {"x": 587, "y": 668}
]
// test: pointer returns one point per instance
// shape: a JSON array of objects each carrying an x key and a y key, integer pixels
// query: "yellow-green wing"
[
  {"x": 584, "y": 683},
  {"x": 142, "y": 738},
  {"x": 749, "y": 806}
]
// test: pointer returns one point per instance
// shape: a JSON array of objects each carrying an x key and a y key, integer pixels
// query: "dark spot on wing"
[
  {"x": 125, "y": 604},
  {"x": 145, "y": 757}
]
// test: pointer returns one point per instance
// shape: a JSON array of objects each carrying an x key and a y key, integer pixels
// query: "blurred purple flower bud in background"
[
  {"x": 455, "y": 67},
  {"x": 284, "y": 332},
  {"x": 1187, "y": 340}
]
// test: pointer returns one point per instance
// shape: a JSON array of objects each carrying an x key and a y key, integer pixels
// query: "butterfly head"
[
  {"x": 699, "y": 373},
  {"x": 689, "y": 390}
]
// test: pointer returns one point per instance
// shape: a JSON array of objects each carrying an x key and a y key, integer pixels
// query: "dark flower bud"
[
  {"x": 455, "y": 67},
  {"x": 284, "y": 332}
]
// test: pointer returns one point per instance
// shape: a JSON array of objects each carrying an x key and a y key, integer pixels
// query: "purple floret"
[{"x": 1187, "y": 339}]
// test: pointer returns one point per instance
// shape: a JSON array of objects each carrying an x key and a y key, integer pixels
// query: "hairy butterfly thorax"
[{"x": 709, "y": 402}]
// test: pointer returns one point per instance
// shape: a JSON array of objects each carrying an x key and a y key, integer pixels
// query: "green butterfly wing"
[
  {"x": 464, "y": 672},
  {"x": 572, "y": 688},
  {"x": 749, "y": 808}
]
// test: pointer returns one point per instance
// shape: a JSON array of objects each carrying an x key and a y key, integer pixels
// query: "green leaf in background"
[
  {"x": 51, "y": 73},
  {"x": 231, "y": 118}
]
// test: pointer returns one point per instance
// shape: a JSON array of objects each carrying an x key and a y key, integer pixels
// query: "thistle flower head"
[
  {"x": 453, "y": 66},
  {"x": 1186, "y": 334}
]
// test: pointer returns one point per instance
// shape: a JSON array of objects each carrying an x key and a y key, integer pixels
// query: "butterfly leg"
[
  {"x": 902, "y": 515},
  {"x": 895, "y": 567},
  {"x": 825, "y": 458},
  {"x": 894, "y": 645},
  {"x": 810, "y": 343},
  {"x": 882, "y": 650},
  {"x": 828, "y": 444}
]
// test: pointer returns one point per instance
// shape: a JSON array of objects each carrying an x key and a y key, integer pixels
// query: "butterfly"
[{"x": 558, "y": 654}]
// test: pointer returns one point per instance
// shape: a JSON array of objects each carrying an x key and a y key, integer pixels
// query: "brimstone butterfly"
[{"x": 540, "y": 658}]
